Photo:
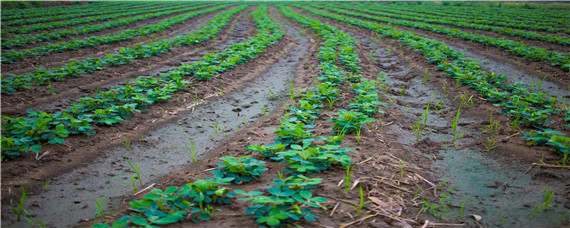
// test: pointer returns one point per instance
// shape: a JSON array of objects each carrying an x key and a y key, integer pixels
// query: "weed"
[
  {"x": 127, "y": 144},
  {"x": 463, "y": 206},
  {"x": 135, "y": 168},
  {"x": 426, "y": 75},
  {"x": 362, "y": 203},
  {"x": 100, "y": 204},
  {"x": 389, "y": 51},
  {"x": 347, "y": 178},
  {"x": 191, "y": 151},
  {"x": 51, "y": 89},
  {"x": 402, "y": 165},
  {"x": 18, "y": 210},
  {"x": 454, "y": 127},
  {"x": 403, "y": 88}
]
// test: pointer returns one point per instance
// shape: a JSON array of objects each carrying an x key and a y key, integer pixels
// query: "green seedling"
[
  {"x": 465, "y": 100},
  {"x": 443, "y": 184},
  {"x": 463, "y": 206},
  {"x": 137, "y": 170},
  {"x": 195, "y": 99},
  {"x": 19, "y": 209},
  {"x": 406, "y": 108},
  {"x": 51, "y": 89},
  {"x": 403, "y": 88},
  {"x": 217, "y": 128},
  {"x": 362, "y": 203},
  {"x": 127, "y": 143},
  {"x": 358, "y": 136},
  {"x": 99, "y": 204},
  {"x": 221, "y": 90},
  {"x": 264, "y": 112},
  {"x": 347, "y": 178},
  {"x": 402, "y": 165},
  {"x": 389, "y": 51},
  {"x": 443, "y": 87},
  {"x": 454, "y": 127},
  {"x": 426, "y": 76},
  {"x": 331, "y": 102},
  {"x": 46, "y": 185},
  {"x": 245, "y": 121},
  {"x": 191, "y": 151},
  {"x": 491, "y": 144}
]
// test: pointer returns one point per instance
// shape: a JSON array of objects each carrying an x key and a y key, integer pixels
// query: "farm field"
[{"x": 291, "y": 114}]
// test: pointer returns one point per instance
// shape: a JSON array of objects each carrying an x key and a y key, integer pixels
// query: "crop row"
[
  {"x": 56, "y": 10},
  {"x": 291, "y": 198},
  {"x": 14, "y": 56},
  {"x": 125, "y": 55},
  {"x": 517, "y": 48},
  {"x": 549, "y": 18},
  {"x": 21, "y": 40},
  {"x": 562, "y": 40},
  {"x": 110, "y": 14},
  {"x": 93, "y": 11},
  {"x": 486, "y": 19},
  {"x": 24, "y": 134},
  {"x": 524, "y": 107}
]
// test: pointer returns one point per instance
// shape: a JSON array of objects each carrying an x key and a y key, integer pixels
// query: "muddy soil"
[{"x": 392, "y": 163}]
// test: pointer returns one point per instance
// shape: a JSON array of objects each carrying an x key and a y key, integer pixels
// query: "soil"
[{"x": 395, "y": 167}]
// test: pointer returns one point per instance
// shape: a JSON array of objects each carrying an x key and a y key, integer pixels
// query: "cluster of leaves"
[
  {"x": 192, "y": 200},
  {"x": 21, "y": 40},
  {"x": 516, "y": 48},
  {"x": 290, "y": 200},
  {"x": 125, "y": 55},
  {"x": 242, "y": 169},
  {"x": 529, "y": 108},
  {"x": 12, "y": 56}
]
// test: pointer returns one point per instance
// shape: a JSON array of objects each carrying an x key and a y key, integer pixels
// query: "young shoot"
[{"x": 192, "y": 153}]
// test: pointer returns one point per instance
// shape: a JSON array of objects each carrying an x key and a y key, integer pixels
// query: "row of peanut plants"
[
  {"x": 545, "y": 21},
  {"x": 41, "y": 75},
  {"x": 13, "y": 14},
  {"x": 12, "y": 56},
  {"x": 39, "y": 23},
  {"x": 28, "y": 134},
  {"x": 20, "y": 40},
  {"x": 516, "y": 48},
  {"x": 521, "y": 105},
  {"x": 289, "y": 198},
  {"x": 561, "y": 40}
]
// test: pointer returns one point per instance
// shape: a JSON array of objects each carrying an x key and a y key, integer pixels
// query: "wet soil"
[{"x": 391, "y": 162}]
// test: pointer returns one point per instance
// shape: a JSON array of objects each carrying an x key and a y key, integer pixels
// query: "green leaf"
[
  {"x": 319, "y": 199},
  {"x": 139, "y": 221}
]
